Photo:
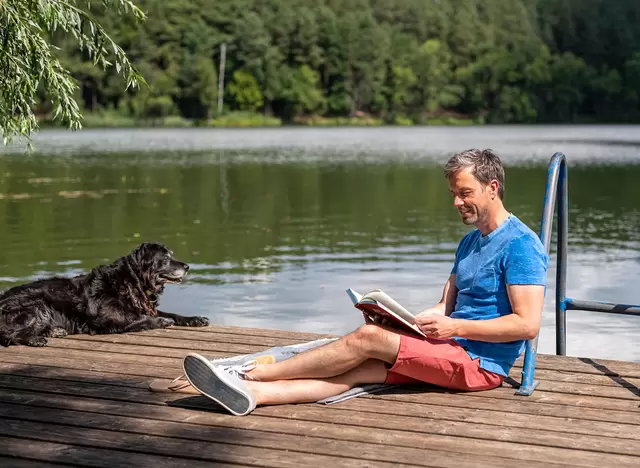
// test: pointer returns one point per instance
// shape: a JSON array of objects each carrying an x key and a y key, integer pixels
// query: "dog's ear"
[{"x": 142, "y": 254}]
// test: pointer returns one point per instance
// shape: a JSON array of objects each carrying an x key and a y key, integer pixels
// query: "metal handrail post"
[
  {"x": 561, "y": 264},
  {"x": 556, "y": 187}
]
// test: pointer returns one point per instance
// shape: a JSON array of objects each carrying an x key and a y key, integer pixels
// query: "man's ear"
[{"x": 494, "y": 185}]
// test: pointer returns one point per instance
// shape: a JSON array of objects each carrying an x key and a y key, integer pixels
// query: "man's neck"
[{"x": 493, "y": 221}]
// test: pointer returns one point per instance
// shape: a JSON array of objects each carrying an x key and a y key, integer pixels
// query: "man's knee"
[
  {"x": 374, "y": 341},
  {"x": 362, "y": 339}
]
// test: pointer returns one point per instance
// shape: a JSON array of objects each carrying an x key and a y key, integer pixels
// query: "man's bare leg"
[
  {"x": 349, "y": 352},
  {"x": 281, "y": 392}
]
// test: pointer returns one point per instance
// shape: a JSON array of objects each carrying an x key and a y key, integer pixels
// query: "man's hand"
[
  {"x": 437, "y": 310},
  {"x": 437, "y": 326},
  {"x": 377, "y": 319}
]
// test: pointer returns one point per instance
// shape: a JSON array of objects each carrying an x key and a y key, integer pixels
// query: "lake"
[{"x": 277, "y": 223}]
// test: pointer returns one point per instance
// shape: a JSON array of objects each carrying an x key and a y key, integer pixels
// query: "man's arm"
[
  {"x": 448, "y": 302},
  {"x": 523, "y": 324}
]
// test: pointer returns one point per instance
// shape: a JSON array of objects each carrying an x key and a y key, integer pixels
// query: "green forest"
[{"x": 380, "y": 61}]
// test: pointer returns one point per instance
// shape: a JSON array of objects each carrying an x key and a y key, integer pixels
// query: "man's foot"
[{"x": 222, "y": 385}]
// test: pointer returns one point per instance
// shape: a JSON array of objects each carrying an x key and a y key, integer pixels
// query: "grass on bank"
[{"x": 111, "y": 119}]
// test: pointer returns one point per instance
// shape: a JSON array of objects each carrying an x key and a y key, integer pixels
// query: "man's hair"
[{"x": 485, "y": 166}]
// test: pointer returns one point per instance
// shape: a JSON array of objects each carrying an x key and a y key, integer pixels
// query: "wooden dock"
[{"x": 84, "y": 401}]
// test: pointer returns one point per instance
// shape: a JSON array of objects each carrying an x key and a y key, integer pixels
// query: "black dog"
[{"x": 116, "y": 298}]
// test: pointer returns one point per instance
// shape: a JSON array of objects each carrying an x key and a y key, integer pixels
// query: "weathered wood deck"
[{"x": 84, "y": 401}]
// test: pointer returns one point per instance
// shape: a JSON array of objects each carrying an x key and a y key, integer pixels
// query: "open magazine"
[{"x": 377, "y": 303}]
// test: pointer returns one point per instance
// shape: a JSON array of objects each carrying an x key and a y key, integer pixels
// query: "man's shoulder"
[{"x": 523, "y": 237}]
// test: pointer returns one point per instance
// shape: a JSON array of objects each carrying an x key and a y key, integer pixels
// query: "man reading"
[{"x": 492, "y": 303}]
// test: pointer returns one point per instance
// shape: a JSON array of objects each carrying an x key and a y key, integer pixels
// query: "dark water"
[{"x": 276, "y": 224}]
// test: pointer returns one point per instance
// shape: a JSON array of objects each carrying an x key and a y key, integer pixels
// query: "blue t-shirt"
[{"x": 484, "y": 266}]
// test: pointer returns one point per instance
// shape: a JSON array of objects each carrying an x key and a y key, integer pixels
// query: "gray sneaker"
[{"x": 219, "y": 384}]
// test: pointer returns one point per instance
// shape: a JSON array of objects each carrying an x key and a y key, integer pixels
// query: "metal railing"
[{"x": 557, "y": 188}]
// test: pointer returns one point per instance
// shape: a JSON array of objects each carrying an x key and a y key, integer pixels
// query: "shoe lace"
[{"x": 240, "y": 370}]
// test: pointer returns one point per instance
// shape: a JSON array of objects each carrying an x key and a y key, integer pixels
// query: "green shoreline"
[
  {"x": 249, "y": 120},
  {"x": 245, "y": 120}
]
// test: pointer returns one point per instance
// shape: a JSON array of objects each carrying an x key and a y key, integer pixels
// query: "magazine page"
[
  {"x": 386, "y": 300},
  {"x": 378, "y": 303}
]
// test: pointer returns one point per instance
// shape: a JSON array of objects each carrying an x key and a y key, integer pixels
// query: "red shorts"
[{"x": 439, "y": 362}]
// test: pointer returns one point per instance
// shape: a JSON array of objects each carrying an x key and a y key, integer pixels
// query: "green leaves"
[
  {"x": 399, "y": 60},
  {"x": 29, "y": 62},
  {"x": 245, "y": 91}
]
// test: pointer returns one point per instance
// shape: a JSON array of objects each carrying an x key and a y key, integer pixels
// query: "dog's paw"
[
  {"x": 37, "y": 341},
  {"x": 196, "y": 322},
  {"x": 163, "y": 322},
  {"x": 58, "y": 333}
]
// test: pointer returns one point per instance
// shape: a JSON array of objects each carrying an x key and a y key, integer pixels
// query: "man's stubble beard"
[{"x": 478, "y": 216}]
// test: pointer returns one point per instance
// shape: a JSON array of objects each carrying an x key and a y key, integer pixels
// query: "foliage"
[
  {"x": 29, "y": 64},
  {"x": 245, "y": 119},
  {"x": 245, "y": 91},
  {"x": 330, "y": 62}
]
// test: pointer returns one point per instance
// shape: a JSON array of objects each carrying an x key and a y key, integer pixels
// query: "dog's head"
[{"x": 156, "y": 264}]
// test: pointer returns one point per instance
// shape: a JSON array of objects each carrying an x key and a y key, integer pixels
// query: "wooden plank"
[
  {"x": 151, "y": 372},
  {"x": 297, "y": 336},
  {"x": 581, "y": 378},
  {"x": 577, "y": 389},
  {"x": 585, "y": 365},
  {"x": 569, "y": 393},
  {"x": 527, "y": 405},
  {"x": 256, "y": 336},
  {"x": 428, "y": 395},
  {"x": 283, "y": 437},
  {"x": 192, "y": 345},
  {"x": 544, "y": 386},
  {"x": 161, "y": 367},
  {"x": 234, "y": 439},
  {"x": 159, "y": 437},
  {"x": 122, "y": 348},
  {"x": 81, "y": 382},
  {"x": 244, "y": 451},
  {"x": 452, "y": 415},
  {"x": 356, "y": 424},
  {"x": 153, "y": 356},
  {"x": 141, "y": 351},
  {"x": 539, "y": 396},
  {"x": 92, "y": 390},
  {"x": 191, "y": 334},
  {"x": 89, "y": 357},
  {"x": 544, "y": 361},
  {"x": 10, "y": 462},
  {"x": 431, "y": 399},
  {"x": 73, "y": 375},
  {"x": 629, "y": 391},
  {"x": 86, "y": 389},
  {"x": 333, "y": 416},
  {"x": 496, "y": 418},
  {"x": 578, "y": 359},
  {"x": 74, "y": 455}
]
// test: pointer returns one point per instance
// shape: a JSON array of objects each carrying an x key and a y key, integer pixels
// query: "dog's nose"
[{"x": 186, "y": 267}]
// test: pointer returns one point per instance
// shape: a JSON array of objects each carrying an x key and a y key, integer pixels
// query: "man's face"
[{"x": 470, "y": 197}]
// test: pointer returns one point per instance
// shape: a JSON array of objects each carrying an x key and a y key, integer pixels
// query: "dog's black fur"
[{"x": 115, "y": 298}]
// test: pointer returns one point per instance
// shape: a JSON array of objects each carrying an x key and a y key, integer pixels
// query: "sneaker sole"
[{"x": 204, "y": 379}]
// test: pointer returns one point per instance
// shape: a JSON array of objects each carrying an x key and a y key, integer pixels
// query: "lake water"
[{"x": 277, "y": 223}]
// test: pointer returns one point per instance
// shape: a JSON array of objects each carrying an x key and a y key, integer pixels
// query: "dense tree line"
[{"x": 498, "y": 60}]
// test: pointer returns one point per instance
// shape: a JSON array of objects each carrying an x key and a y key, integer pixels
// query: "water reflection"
[{"x": 275, "y": 236}]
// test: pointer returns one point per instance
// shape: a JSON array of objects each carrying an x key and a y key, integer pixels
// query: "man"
[{"x": 492, "y": 303}]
